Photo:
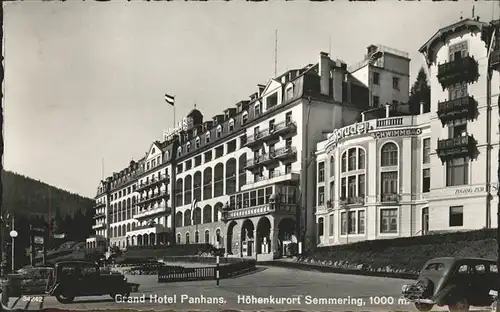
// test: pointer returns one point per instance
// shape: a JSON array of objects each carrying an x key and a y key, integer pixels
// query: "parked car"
[
  {"x": 28, "y": 281},
  {"x": 72, "y": 279},
  {"x": 458, "y": 283}
]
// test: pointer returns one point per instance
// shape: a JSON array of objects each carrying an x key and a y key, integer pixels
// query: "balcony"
[
  {"x": 153, "y": 182},
  {"x": 285, "y": 153},
  {"x": 154, "y": 197},
  {"x": 285, "y": 209},
  {"x": 285, "y": 127},
  {"x": 464, "y": 107},
  {"x": 99, "y": 205},
  {"x": 149, "y": 213},
  {"x": 255, "y": 139},
  {"x": 461, "y": 70},
  {"x": 495, "y": 60},
  {"x": 99, "y": 215},
  {"x": 273, "y": 178},
  {"x": 353, "y": 200},
  {"x": 389, "y": 198},
  {"x": 99, "y": 226},
  {"x": 460, "y": 147}
]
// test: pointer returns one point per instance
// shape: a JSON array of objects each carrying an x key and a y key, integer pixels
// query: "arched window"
[
  {"x": 187, "y": 217},
  {"x": 207, "y": 236},
  {"x": 178, "y": 192},
  {"x": 188, "y": 184},
  {"x": 178, "y": 219},
  {"x": 207, "y": 214},
  {"x": 219, "y": 180},
  {"x": 389, "y": 154},
  {"x": 231, "y": 125},
  {"x": 188, "y": 147},
  {"x": 242, "y": 174},
  {"x": 196, "y": 237},
  {"x": 197, "y": 142},
  {"x": 178, "y": 238},
  {"x": 344, "y": 162},
  {"x": 219, "y": 131},
  {"x": 197, "y": 186},
  {"x": 361, "y": 159},
  {"x": 231, "y": 176},
  {"x": 187, "y": 238},
  {"x": 217, "y": 236},
  {"x": 207, "y": 137},
  {"x": 179, "y": 151},
  {"x": 207, "y": 183}
]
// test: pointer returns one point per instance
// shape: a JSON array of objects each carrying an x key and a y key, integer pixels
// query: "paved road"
[{"x": 359, "y": 293}]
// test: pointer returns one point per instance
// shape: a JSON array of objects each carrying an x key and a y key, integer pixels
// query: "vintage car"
[
  {"x": 458, "y": 283},
  {"x": 72, "y": 279}
]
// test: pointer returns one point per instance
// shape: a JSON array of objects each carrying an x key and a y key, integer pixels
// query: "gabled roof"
[
  {"x": 269, "y": 84},
  {"x": 465, "y": 23}
]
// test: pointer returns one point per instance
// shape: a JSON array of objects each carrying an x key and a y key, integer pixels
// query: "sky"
[{"x": 85, "y": 81}]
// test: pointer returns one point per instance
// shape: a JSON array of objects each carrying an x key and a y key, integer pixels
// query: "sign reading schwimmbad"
[{"x": 396, "y": 133}]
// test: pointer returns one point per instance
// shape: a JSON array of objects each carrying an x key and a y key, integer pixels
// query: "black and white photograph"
[{"x": 250, "y": 155}]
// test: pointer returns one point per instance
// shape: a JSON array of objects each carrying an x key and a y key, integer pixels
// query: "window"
[
  {"x": 198, "y": 142},
  {"x": 187, "y": 238},
  {"x": 332, "y": 166},
  {"x": 257, "y": 109},
  {"x": 389, "y": 155},
  {"x": 179, "y": 153},
  {"x": 389, "y": 183},
  {"x": 321, "y": 227},
  {"x": 188, "y": 148},
  {"x": 207, "y": 236},
  {"x": 361, "y": 185},
  {"x": 426, "y": 180},
  {"x": 207, "y": 137},
  {"x": 426, "y": 150},
  {"x": 178, "y": 238},
  {"x": 351, "y": 165},
  {"x": 208, "y": 156},
  {"x": 244, "y": 118},
  {"x": 321, "y": 196},
  {"x": 457, "y": 172},
  {"x": 330, "y": 225},
  {"x": 456, "y": 216},
  {"x": 288, "y": 117},
  {"x": 271, "y": 125},
  {"x": 458, "y": 129},
  {"x": 348, "y": 221},
  {"x": 376, "y": 101},
  {"x": 376, "y": 78},
  {"x": 197, "y": 160},
  {"x": 388, "y": 221},
  {"x": 332, "y": 191},
  {"x": 231, "y": 125},
  {"x": 344, "y": 162},
  {"x": 321, "y": 172},
  {"x": 395, "y": 83},
  {"x": 457, "y": 91},
  {"x": 361, "y": 159},
  {"x": 219, "y": 131},
  {"x": 288, "y": 168},
  {"x": 361, "y": 222},
  {"x": 196, "y": 237}
]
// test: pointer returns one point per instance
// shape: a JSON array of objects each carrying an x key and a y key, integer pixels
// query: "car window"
[
  {"x": 68, "y": 270},
  {"x": 463, "y": 269},
  {"x": 493, "y": 268},
  {"x": 480, "y": 268}
]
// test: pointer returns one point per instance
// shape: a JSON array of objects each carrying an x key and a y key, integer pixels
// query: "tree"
[{"x": 420, "y": 92}]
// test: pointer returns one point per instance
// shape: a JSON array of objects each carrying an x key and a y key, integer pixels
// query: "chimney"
[
  {"x": 324, "y": 73},
  {"x": 387, "y": 110},
  {"x": 338, "y": 79}
]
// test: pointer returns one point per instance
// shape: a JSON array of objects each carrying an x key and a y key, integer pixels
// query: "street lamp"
[{"x": 13, "y": 234}]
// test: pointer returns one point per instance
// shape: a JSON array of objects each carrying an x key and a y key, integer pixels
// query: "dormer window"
[
  {"x": 198, "y": 142},
  {"x": 219, "y": 131},
  {"x": 188, "y": 147},
  {"x": 231, "y": 125},
  {"x": 207, "y": 137},
  {"x": 147, "y": 166},
  {"x": 167, "y": 155},
  {"x": 257, "y": 109},
  {"x": 195, "y": 132},
  {"x": 179, "y": 151},
  {"x": 244, "y": 118}
]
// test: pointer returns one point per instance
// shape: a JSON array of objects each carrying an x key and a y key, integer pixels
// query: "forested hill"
[{"x": 23, "y": 195}]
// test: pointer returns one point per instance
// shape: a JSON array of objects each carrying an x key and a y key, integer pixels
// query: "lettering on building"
[
  {"x": 397, "y": 133},
  {"x": 339, "y": 134},
  {"x": 470, "y": 190}
]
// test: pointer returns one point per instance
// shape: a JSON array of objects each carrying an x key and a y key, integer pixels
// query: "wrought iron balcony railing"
[
  {"x": 460, "y": 147},
  {"x": 464, "y": 107},
  {"x": 389, "y": 198},
  {"x": 460, "y": 70}
]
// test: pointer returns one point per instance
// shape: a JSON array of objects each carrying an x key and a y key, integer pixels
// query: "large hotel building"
[
  {"x": 393, "y": 174},
  {"x": 325, "y": 154}
]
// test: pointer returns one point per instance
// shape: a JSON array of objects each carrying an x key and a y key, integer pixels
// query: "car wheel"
[
  {"x": 424, "y": 307},
  {"x": 64, "y": 298},
  {"x": 461, "y": 306}
]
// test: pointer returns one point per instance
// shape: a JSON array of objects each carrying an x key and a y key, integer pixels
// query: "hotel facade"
[
  {"x": 243, "y": 180},
  {"x": 393, "y": 174}
]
